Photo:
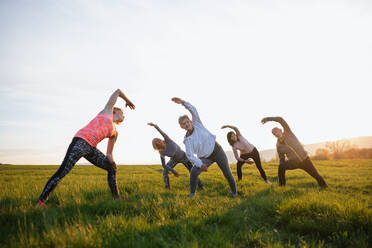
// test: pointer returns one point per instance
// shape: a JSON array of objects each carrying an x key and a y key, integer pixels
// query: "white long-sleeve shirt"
[{"x": 201, "y": 142}]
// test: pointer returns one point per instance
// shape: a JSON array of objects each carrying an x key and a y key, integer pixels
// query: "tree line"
[{"x": 341, "y": 150}]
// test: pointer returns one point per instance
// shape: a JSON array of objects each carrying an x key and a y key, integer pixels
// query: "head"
[
  {"x": 118, "y": 115},
  {"x": 158, "y": 144},
  {"x": 232, "y": 138},
  {"x": 277, "y": 132},
  {"x": 185, "y": 123}
]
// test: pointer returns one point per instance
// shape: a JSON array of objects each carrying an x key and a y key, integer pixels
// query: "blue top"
[{"x": 172, "y": 150}]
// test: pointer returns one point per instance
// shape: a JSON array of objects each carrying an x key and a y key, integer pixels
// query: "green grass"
[{"x": 81, "y": 212}]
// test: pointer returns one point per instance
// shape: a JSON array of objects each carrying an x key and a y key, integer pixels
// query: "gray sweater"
[
  {"x": 172, "y": 150},
  {"x": 290, "y": 146}
]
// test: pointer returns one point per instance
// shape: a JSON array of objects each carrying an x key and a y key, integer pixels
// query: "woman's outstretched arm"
[
  {"x": 233, "y": 128},
  {"x": 189, "y": 107},
  {"x": 112, "y": 100},
  {"x": 165, "y": 136}
]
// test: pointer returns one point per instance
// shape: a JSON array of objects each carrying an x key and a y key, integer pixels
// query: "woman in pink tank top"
[
  {"x": 84, "y": 145},
  {"x": 247, "y": 151}
]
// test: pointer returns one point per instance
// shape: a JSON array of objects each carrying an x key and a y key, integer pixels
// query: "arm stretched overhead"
[
  {"x": 165, "y": 136},
  {"x": 233, "y": 128},
  {"x": 280, "y": 120},
  {"x": 189, "y": 107},
  {"x": 112, "y": 100}
]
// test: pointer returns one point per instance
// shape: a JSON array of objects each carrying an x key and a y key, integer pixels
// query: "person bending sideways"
[
  {"x": 289, "y": 146},
  {"x": 200, "y": 142},
  {"x": 84, "y": 145},
  {"x": 169, "y": 148},
  {"x": 247, "y": 151}
]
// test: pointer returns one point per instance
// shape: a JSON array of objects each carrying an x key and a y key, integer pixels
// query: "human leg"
[
  {"x": 219, "y": 156},
  {"x": 239, "y": 166},
  {"x": 308, "y": 166},
  {"x": 189, "y": 166},
  {"x": 75, "y": 151},
  {"x": 97, "y": 158},
  {"x": 256, "y": 157}
]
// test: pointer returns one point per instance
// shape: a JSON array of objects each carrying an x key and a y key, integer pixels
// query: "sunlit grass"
[{"x": 82, "y": 213}]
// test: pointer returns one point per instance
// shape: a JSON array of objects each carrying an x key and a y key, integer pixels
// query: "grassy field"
[{"x": 81, "y": 212}]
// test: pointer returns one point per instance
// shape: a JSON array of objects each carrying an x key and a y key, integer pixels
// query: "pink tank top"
[{"x": 99, "y": 128}]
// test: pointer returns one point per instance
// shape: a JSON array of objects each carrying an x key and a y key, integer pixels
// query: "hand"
[
  {"x": 224, "y": 126},
  {"x": 264, "y": 120},
  {"x": 204, "y": 167},
  {"x": 129, "y": 104},
  {"x": 177, "y": 100},
  {"x": 151, "y": 124},
  {"x": 175, "y": 173},
  {"x": 114, "y": 166},
  {"x": 110, "y": 158},
  {"x": 248, "y": 161}
]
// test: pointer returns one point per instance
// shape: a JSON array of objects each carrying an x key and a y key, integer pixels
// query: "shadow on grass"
[{"x": 257, "y": 221}]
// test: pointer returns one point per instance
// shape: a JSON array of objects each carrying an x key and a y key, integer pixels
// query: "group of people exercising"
[{"x": 202, "y": 149}]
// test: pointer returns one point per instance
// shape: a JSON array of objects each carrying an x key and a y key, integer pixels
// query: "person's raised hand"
[
  {"x": 129, "y": 104},
  {"x": 151, "y": 124},
  {"x": 264, "y": 120},
  {"x": 204, "y": 167},
  {"x": 177, "y": 100}
]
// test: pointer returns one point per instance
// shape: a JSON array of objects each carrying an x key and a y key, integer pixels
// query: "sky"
[{"x": 235, "y": 61}]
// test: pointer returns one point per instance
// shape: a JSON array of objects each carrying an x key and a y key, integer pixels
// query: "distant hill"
[{"x": 267, "y": 155}]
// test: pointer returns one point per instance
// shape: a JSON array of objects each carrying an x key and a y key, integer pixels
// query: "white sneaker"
[
  {"x": 267, "y": 182},
  {"x": 235, "y": 195}
]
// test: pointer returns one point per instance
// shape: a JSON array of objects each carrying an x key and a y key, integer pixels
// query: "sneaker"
[
  {"x": 267, "y": 181},
  {"x": 235, "y": 195},
  {"x": 119, "y": 198},
  {"x": 40, "y": 204},
  {"x": 192, "y": 195}
]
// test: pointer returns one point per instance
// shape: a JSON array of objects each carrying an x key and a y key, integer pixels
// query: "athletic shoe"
[
  {"x": 267, "y": 181},
  {"x": 235, "y": 195},
  {"x": 40, "y": 204}
]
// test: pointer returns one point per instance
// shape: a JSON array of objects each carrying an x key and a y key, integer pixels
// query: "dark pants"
[
  {"x": 306, "y": 165},
  {"x": 77, "y": 149},
  {"x": 218, "y": 155},
  {"x": 256, "y": 158},
  {"x": 172, "y": 163}
]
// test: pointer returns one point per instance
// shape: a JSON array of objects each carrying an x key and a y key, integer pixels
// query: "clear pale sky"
[{"x": 236, "y": 61}]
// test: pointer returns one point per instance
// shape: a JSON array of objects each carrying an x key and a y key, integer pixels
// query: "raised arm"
[
  {"x": 233, "y": 128},
  {"x": 110, "y": 147},
  {"x": 165, "y": 136},
  {"x": 280, "y": 120},
  {"x": 112, "y": 100},
  {"x": 189, "y": 107}
]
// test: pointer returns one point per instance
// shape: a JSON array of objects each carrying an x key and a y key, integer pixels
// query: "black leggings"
[
  {"x": 306, "y": 165},
  {"x": 256, "y": 157},
  {"x": 77, "y": 149}
]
